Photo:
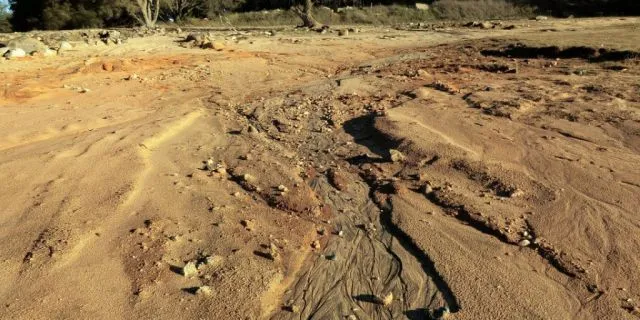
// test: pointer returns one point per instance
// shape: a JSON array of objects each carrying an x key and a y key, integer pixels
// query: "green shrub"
[
  {"x": 5, "y": 25},
  {"x": 480, "y": 9}
]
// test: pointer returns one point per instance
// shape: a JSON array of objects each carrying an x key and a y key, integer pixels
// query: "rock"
[
  {"x": 28, "y": 45},
  {"x": 293, "y": 308},
  {"x": 315, "y": 244},
  {"x": 422, "y": 73},
  {"x": 64, "y": 45},
  {"x": 218, "y": 46},
  {"x": 343, "y": 32},
  {"x": 84, "y": 90},
  {"x": 249, "y": 225},
  {"x": 274, "y": 252},
  {"x": 422, "y": 6},
  {"x": 208, "y": 165},
  {"x": 386, "y": 300},
  {"x": 212, "y": 261},
  {"x": 44, "y": 53},
  {"x": 248, "y": 178},
  {"x": 215, "y": 45},
  {"x": 524, "y": 243},
  {"x": 427, "y": 188},
  {"x": 486, "y": 25},
  {"x": 396, "y": 156},
  {"x": 446, "y": 87},
  {"x": 107, "y": 66},
  {"x": 15, "y": 53},
  {"x": 204, "y": 291},
  {"x": 197, "y": 37},
  {"x": 282, "y": 188},
  {"x": 190, "y": 269},
  {"x": 50, "y": 53},
  {"x": 134, "y": 77},
  {"x": 541, "y": 18}
]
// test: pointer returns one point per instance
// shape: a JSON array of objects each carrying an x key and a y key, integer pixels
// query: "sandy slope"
[{"x": 106, "y": 195}]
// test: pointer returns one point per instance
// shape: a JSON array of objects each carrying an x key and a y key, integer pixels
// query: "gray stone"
[
  {"x": 422, "y": 6},
  {"x": 27, "y": 44},
  {"x": 14, "y": 53},
  {"x": 64, "y": 45}
]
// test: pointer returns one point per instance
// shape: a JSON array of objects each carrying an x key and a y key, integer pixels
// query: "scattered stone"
[
  {"x": 64, "y": 45},
  {"x": 386, "y": 300},
  {"x": 132, "y": 77},
  {"x": 315, "y": 244},
  {"x": 249, "y": 225},
  {"x": 248, "y": 178},
  {"x": 218, "y": 46},
  {"x": 211, "y": 261},
  {"x": 524, "y": 243},
  {"x": 396, "y": 156},
  {"x": 427, "y": 188},
  {"x": 209, "y": 165},
  {"x": 486, "y": 25},
  {"x": 442, "y": 86},
  {"x": 274, "y": 252},
  {"x": 15, "y": 53},
  {"x": 422, "y": 73},
  {"x": 190, "y": 269},
  {"x": 282, "y": 188},
  {"x": 293, "y": 308},
  {"x": 204, "y": 291},
  {"x": 107, "y": 66},
  {"x": 44, "y": 53}
]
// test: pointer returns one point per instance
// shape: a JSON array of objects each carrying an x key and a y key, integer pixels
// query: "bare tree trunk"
[
  {"x": 305, "y": 14},
  {"x": 150, "y": 10}
]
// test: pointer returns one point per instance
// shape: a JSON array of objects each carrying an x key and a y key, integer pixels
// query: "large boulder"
[{"x": 27, "y": 44}]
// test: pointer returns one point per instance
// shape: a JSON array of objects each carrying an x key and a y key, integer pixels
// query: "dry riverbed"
[{"x": 434, "y": 172}]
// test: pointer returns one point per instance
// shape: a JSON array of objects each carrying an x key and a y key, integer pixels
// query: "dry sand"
[{"x": 266, "y": 169}]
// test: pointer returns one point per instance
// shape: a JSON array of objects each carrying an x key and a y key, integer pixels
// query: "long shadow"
[
  {"x": 363, "y": 131},
  {"x": 364, "y": 134},
  {"x": 428, "y": 266}
]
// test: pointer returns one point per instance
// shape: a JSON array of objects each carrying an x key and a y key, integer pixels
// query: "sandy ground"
[{"x": 308, "y": 176}]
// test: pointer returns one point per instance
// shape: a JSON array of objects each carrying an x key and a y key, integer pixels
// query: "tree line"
[{"x": 71, "y": 14}]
